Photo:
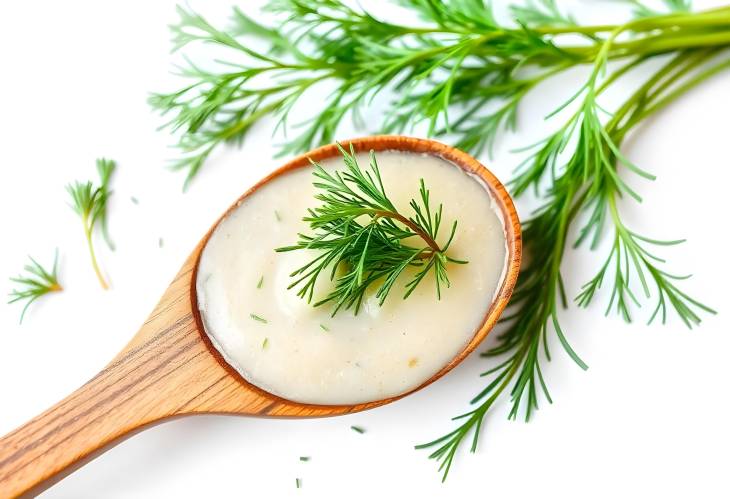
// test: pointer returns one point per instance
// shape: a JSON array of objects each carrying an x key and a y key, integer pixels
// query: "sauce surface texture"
[{"x": 282, "y": 344}]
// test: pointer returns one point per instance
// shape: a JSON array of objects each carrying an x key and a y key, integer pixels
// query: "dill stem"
[
  {"x": 680, "y": 90},
  {"x": 408, "y": 223},
  {"x": 94, "y": 263}
]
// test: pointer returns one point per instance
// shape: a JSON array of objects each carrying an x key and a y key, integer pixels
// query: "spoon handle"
[
  {"x": 166, "y": 370},
  {"x": 126, "y": 396}
]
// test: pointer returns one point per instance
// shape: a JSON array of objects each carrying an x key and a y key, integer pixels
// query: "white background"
[{"x": 650, "y": 416}]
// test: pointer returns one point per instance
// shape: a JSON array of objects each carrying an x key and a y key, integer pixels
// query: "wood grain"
[{"x": 170, "y": 369}]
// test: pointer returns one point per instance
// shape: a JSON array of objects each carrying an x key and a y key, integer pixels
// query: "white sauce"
[{"x": 381, "y": 352}]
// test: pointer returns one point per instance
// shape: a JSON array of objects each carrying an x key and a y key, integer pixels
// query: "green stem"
[
  {"x": 94, "y": 263},
  {"x": 408, "y": 223},
  {"x": 681, "y": 89}
]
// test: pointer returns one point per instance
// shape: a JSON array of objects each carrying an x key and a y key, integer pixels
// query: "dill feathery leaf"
[
  {"x": 105, "y": 168},
  {"x": 36, "y": 282}
]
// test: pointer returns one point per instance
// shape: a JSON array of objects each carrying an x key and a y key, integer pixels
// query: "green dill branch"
[{"x": 464, "y": 74}]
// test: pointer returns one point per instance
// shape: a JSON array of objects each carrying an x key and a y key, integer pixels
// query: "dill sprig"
[
  {"x": 36, "y": 282},
  {"x": 90, "y": 202},
  {"x": 359, "y": 231},
  {"x": 581, "y": 161},
  {"x": 464, "y": 74}
]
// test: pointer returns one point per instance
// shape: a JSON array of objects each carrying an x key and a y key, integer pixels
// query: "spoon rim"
[{"x": 378, "y": 143}]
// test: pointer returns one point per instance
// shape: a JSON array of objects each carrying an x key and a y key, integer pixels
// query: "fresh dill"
[
  {"x": 463, "y": 73},
  {"x": 298, "y": 483},
  {"x": 36, "y": 282},
  {"x": 90, "y": 203},
  {"x": 258, "y": 318},
  {"x": 134, "y": 200},
  {"x": 277, "y": 215},
  {"x": 264, "y": 343},
  {"x": 304, "y": 458},
  {"x": 324, "y": 328},
  {"x": 260, "y": 284},
  {"x": 357, "y": 429},
  {"x": 105, "y": 168},
  {"x": 358, "y": 230}
]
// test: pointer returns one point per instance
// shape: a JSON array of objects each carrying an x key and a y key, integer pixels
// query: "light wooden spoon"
[{"x": 170, "y": 368}]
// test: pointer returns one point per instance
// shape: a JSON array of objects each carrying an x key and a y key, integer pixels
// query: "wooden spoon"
[{"x": 170, "y": 368}]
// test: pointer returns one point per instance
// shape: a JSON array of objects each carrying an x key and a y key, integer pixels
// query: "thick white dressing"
[{"x": 282, "y": 344}]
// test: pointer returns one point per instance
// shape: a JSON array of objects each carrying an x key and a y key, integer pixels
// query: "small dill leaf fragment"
[
  {"x": 299, "y": 483},
  {"x": 324, "y": 328},
  {"x": 304, "y": 458},
  {"x": 358, "y": 429},
  {"x": 264, "y": 343},
  {"x": 260, "y": 284}
]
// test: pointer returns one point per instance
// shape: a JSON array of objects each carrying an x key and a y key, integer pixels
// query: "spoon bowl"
[{"x": 171, "y": 369}]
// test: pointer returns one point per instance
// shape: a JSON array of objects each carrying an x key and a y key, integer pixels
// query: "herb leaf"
[
  {"x": 105, "y": 168},
  {"x": 36, "y": 282}
]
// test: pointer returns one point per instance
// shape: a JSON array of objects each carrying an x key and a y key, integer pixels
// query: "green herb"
[
  {"x": 105, "y": 168},
  {"x": 324, "y": 328},
  {"x": 304, "y": 458},
  {"x": 36, "y": 282},
  {"x": 90, "y": 203},
  {"x": 258, "y": 318},
  {"x": 277, "y": 215},
  {"x": 371, "y": 251},
  {"x": 463, "y": 73},
  {"x": 264, "y": 344},
  {"x": 299, "y": 483},
  {"x": 357, "y": 429},
  {"x": 134, "y": 200},
  {"x": 260, "y": 284}
]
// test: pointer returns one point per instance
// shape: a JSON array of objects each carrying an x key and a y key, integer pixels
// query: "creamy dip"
[{"x": 282, "y": 344}]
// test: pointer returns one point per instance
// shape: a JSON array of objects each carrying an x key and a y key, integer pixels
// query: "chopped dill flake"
[
  {"x": 358, "y": 429},
  {"x": 260, "y": 283},
  {"x": 304, "y": 458},
  {"x": 278, "y": 217},
  {"x": 299, "y": 483},
  {"x": 259, "y": 318},
  {"x": 324, "y": 328},
  {"x": 264, "y": 344},
  {"x": 134, "y": 200}
]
